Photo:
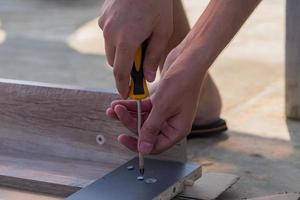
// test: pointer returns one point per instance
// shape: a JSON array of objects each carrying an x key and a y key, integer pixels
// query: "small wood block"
[
  {"x": 287, "y": 196},
  {"x": 122, "y": 184},
  {"x": 210, "y": 186}
]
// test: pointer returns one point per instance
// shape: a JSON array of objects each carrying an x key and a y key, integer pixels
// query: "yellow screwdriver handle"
[{"x": 138, "y": 86}]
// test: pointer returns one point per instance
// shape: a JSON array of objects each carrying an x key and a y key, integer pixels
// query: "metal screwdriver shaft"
[
  {"x": 139, "y": 124},
  {"x": 139, "y": 91}
]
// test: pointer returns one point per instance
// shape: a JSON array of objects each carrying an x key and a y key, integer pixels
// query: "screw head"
[
  {"x": 151, "y": 180},
  {"x": 130, "y": 167},
  {"x": 100, "y": 139}
]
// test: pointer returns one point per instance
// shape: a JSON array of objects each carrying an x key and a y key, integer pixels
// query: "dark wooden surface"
[{"x": 48, "y": 137}]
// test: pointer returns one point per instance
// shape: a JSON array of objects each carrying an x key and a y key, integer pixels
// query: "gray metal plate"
[{"x": 122, "y": 184}]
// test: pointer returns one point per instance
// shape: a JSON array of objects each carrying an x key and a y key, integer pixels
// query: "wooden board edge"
[
  {"x": 178, "y": 187},
  {"x": 37, "y": 186},
  {"x": 53, "y": 85}
]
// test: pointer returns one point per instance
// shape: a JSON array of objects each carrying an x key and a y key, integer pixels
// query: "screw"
[
  {"x": 151, "y": 180},
  {"x": 100, "y": 139},
  {"x": 130, "y": 167}
]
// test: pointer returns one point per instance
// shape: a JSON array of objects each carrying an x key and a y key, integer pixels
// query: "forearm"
[{"x": 218, "y": 24}]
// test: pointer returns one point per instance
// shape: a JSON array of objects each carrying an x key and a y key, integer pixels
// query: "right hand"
[
  {"x": 126, "y": 24},
  {"x": 169, "y": 112}
]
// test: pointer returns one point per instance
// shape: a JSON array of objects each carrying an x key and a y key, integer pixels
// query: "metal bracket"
[{"x": 122, "y": 183}]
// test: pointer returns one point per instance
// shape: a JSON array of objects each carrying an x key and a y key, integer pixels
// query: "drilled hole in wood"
[
  {"x": 174, "y": 189},
  {"x": 100, "y": 139}
]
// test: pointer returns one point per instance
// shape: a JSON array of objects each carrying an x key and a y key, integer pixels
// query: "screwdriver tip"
[{"x": 142, "y": 171}]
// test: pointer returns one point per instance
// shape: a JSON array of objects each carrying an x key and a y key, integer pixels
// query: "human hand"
[
  {"x": 126, "y": 24},
  {"x": 169, "y": 113}
]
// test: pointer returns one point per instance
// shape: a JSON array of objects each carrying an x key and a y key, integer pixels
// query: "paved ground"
[
  {"x": 36, "y": 43},
  {"x": 59, "y": 42}
]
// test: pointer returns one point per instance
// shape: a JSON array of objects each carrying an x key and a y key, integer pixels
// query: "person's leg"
[{"x": 209, "y": 108}]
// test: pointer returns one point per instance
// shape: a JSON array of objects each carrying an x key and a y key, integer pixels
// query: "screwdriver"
[{"x": 139, "y": 90}]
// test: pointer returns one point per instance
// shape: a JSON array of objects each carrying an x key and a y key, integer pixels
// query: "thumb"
[{"x": 149, "y": 132}]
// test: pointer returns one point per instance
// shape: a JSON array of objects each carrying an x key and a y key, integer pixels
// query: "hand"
[
  {"x": 126, "y": 24},
  {"x": 169, "y": 113}
]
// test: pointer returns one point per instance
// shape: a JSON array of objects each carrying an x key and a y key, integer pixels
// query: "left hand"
[{"x": 170, "y": 110}]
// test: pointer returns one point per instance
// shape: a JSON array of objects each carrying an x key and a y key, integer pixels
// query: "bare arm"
[{"x": 216, "y": 27}]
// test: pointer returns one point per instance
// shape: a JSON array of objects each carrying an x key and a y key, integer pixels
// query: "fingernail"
[
  {"x": 119, "y": 138},
  {"x": 145, "y": 147},
  {"x": 150, "y": 75}
]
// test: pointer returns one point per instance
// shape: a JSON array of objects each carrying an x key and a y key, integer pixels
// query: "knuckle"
[
  {"x": 128, "y": 39},
  {"x": 151, "y": 129},
  {"x": 125, "y": 43},
  {"x": 101, "y": 22}
]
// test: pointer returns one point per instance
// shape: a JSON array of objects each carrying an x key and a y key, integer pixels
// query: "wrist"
[
  {"x": 200, "y": 49},
  {"x": 199, "y": 56},
  {"x": 186, "y": 69}
]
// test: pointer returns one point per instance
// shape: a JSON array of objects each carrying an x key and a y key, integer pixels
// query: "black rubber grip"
[{"x": 138, "y": 75}]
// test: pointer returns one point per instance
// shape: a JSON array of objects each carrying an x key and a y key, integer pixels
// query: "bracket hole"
[{"x": 100, "y": 139}]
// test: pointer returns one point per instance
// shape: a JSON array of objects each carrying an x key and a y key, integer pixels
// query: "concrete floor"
[{"x": 59, "y": 42}]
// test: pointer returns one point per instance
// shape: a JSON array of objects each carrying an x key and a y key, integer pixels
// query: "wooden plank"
[
  {"x": 51, "y": 175},
  {"x": 292, "y": 59},
  {"x": 47, "y": 124}
]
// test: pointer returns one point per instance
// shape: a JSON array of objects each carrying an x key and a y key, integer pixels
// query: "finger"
[
  {"x": 110, "y": 52},
  {"x": 154, "y": 51},
  {"x": 126, "y": 118},
  {"x": 101, "y": 19},
  {"x": 123, "y": 61},
  {"x": 168, "y": 137},
  {"x": 131, "y": 105},
  {"x": 128, "y": 141},
  {"x": 111, "y": 114},
  {"x": 149, "y": 131}
]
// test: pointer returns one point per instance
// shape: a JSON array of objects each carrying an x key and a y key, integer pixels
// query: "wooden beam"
[
  {"x": 48, "y": 135},
  {"x": 293, "y": 59}
]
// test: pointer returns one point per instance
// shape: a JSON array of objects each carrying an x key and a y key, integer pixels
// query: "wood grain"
[
  {"x": 292, "y": 59},
  {"x": 48, "y": 136}
]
